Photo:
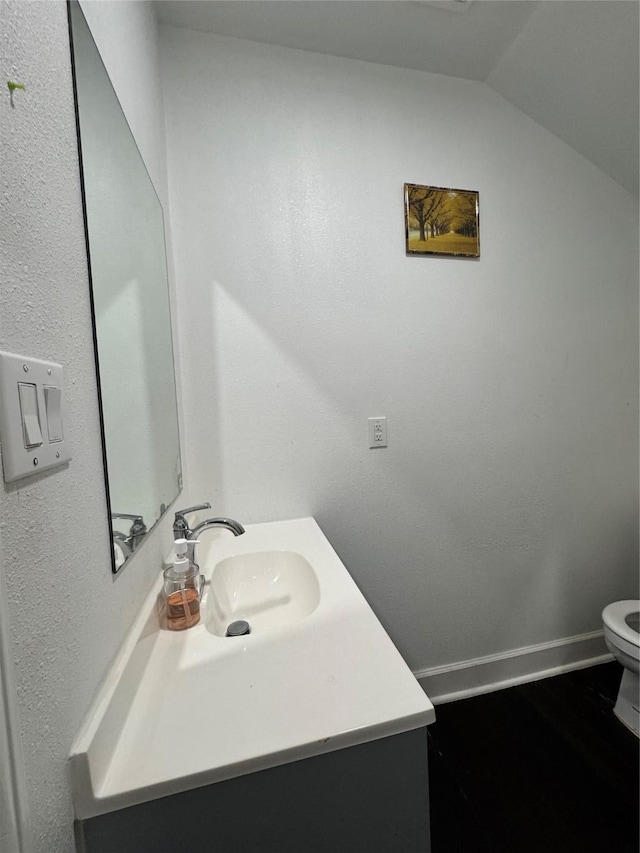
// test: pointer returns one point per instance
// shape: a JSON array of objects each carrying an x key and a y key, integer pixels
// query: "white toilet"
[{"x": 621, "y": 621}]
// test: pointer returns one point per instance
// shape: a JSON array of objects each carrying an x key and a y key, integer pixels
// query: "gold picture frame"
[{"x": 441, "y": 221}]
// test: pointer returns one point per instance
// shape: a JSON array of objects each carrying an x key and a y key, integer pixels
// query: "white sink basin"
[
  {"x": 267, "y": 589},
  {"x": 317, "y": 673}
]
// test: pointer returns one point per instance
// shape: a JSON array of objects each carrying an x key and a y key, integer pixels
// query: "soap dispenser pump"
[{"x": 182, "y": 590}]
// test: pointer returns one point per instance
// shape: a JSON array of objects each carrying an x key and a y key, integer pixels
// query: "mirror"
[{"x": 130, "y": 302}]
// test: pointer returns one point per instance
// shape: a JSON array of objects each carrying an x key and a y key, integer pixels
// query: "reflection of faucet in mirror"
[
  {"x": 137, "y": 530},
  {"x": 181, "y": 529},
  {"x": 121, "y": 549}
]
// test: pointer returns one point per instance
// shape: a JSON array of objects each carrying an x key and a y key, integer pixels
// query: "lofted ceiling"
[{"x": 572, "y": 65}]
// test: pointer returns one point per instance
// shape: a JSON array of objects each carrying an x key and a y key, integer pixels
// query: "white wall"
[
  {"x": 504, "y": 512},
  {"x": 68, "y": 613}
]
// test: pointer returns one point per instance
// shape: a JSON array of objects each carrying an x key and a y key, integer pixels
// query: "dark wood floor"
[{"x": 539, "y": 768}]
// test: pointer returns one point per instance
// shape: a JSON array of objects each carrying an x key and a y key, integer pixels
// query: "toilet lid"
[{"x": 614, "y": 617}]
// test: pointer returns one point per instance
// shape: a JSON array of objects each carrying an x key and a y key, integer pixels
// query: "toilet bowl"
[{"x": 621, "y": 621}]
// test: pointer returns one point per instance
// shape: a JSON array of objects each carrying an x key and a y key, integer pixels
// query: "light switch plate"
[{"x": 18, "y": 460}]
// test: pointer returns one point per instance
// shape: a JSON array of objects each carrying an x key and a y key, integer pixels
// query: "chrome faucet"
[{"x": 181, "y": 529}]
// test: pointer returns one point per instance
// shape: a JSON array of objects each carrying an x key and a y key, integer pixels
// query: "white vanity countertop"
[{"x": 180, "y": 710}]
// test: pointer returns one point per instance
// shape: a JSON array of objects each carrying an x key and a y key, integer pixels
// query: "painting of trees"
[{"x": 441, "y": 221}]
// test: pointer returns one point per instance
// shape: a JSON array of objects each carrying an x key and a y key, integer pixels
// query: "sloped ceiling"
[{"x": 572, "y": 65}]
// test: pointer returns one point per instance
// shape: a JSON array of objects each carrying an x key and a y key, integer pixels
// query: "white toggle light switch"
[
  {"x": 31, "y": 393},
  {"x": 52, "y": 403},
  {"x": 28, "y": 395}
]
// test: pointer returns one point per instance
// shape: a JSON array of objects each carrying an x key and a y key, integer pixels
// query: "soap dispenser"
[{"x": 182, "y": 590}]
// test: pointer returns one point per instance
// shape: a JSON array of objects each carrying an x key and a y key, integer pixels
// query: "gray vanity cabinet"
[{"x": 370, "y": 798}]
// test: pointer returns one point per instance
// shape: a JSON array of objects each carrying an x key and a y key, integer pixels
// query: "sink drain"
[{"x": 238, "y": 629}]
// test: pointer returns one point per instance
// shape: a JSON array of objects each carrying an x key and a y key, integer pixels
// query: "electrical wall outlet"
[{"x": 377, "y": 432}]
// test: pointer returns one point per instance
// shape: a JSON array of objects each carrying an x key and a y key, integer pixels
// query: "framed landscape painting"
[{"x": 441, "y": 221}]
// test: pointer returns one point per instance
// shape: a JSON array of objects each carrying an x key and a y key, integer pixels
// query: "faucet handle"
[
  {"x": 193, "y": 509},
  {"x": 180, "y": 526}
]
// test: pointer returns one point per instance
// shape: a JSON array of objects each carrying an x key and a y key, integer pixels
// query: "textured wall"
[
  {"x": 504, "y": 512},
  {"x": 68, "y": 614}
]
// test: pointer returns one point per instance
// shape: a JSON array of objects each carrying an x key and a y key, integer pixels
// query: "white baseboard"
[{"x": 494, "y": 672}]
